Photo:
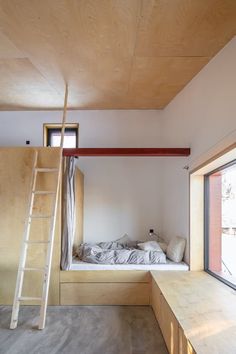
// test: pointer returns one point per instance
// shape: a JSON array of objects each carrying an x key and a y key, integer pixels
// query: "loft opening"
[
  {"x": 52, "y": 135},
  {"x": 102, "y": 252}
]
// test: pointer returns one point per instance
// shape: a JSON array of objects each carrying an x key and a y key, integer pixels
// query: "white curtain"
[{"x": 68, "y": 214}]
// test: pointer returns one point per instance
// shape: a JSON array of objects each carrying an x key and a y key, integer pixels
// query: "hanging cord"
[{"x": 64, "y": 117}]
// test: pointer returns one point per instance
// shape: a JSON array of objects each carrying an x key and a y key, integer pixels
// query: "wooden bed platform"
[
  {"x": 169, "y": 265},
  {"x": 108, "y": 287},
  {"x": 96, "y": 284}
]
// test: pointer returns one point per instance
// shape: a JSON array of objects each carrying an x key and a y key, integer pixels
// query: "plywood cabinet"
[
  {"x": 169, "y": 327},
  {"x": 205, "y": 310},
  {"x": 173, "y": 334},
  {"x": 156, "y": 300},
  {"x": 166, "y": 319},
  {"x": 184, "y": 345}
]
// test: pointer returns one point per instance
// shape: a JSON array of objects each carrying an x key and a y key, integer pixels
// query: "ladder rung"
[
  {"x": 46, "y": 169},
  {"x": 40, "y": 216},
  {"x": 33, "y": 269},
  {"x": 27, "y": 298},
  {"x": 37, "y": 242},
  {"x": 43, "y": 192}
]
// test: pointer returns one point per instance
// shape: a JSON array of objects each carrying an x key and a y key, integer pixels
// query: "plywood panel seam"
[{"x": 135, "y": 44}]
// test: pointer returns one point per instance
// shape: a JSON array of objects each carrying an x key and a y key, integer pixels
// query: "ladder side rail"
[
  {"x": 23, "y": 252},
  {"x": 48, "y": 266},
  {"x": 46, "y": 283}
]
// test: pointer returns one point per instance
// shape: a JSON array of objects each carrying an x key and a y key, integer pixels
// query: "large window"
[
  {"x": 52, "y": 135},
  {"x": 220, "y": 223}
]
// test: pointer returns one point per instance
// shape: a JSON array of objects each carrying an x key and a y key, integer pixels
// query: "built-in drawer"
[
  {"x": 103, "y": 276},
  {"x": 104, "y": 293}
]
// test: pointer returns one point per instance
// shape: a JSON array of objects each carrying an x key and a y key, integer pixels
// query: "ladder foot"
[
  {"x": 41, "y": 327},
  {"x": 41, "y": 324},
  {"x": 13, "y": 324}
]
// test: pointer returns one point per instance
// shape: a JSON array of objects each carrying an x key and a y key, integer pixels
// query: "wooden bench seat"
[{"x": 196, "y": 312}]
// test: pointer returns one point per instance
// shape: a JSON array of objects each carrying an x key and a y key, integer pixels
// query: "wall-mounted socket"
[{"x": 27, "y": 142}]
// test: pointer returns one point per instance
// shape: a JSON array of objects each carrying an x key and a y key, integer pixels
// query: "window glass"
[
  {"x": 220, "y": 223},
  {"x": 52, "y": 135},
  {"x": 69, "y": 139}
]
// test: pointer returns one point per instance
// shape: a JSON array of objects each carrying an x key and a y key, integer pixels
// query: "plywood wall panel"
[{"x": 15, "y": 175}]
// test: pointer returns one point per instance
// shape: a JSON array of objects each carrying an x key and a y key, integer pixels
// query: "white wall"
[
  {"x": 202, "y": 116},
  {"x": 122, "y": 195},
  {"x": 97, "y": 128},
  {"x": 204, "y": 112}
]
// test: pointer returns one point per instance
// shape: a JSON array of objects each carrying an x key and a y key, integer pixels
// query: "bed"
[
  {"x": 92, "y": 283},
  {"x": 124, "y": 254}
]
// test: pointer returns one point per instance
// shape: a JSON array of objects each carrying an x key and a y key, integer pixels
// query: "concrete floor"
[{"x": 83, "y": 330}]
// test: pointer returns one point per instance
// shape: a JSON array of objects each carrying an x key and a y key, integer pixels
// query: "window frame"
[
  {"x": 206, "y": 224},
  {"x": 49, "y": 128}
]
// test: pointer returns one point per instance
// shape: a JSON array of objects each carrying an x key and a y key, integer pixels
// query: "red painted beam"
[{"x": 127, "y": 152}]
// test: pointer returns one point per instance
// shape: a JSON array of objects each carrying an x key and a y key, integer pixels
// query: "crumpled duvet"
[{"x": 115, "y": 253}]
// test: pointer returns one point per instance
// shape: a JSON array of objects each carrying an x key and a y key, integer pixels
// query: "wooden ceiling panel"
[
  {"x": 114, "y": 54},
  {"x": 8, "y": 49},
  {"x": 163, "y": 77},
  {"x": 185, "y": 27},
  {"x": 71, "y": 34},
  {"x": 17, "y": 77}
]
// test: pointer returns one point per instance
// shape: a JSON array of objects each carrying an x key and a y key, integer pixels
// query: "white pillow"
[
  {"x": 163, "y": 246},
  {"x": 124, "y": 240},
  {"x": 175, "y": 249},
  {"x": 149, "y": 246}
]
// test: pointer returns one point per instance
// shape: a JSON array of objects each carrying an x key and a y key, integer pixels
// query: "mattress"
[
  {"x": 116, "y": 253},
  {"x": 169, "y": 265}
]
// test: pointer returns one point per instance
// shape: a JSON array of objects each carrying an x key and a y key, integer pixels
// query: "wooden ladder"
[{"x": 18, "y": 298}]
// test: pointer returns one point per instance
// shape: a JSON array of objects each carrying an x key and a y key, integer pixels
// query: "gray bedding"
[{"x": 116, "y": 253}]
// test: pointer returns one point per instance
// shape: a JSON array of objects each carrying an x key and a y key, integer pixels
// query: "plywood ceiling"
[{"x": 114, "y": 54}]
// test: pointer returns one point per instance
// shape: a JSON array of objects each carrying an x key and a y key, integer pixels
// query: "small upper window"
[
  {"x": 52, "y": 135},
  {"x": 220, "y": 223}
]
